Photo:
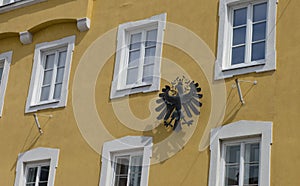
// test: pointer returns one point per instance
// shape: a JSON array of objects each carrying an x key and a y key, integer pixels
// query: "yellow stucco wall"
[{"x": 274, "y": 98}]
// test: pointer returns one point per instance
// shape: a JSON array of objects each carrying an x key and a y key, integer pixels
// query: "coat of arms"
[{"x": 182, "y": 93}]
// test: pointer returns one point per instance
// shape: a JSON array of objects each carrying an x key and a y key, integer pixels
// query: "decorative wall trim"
[
  {"x": 125, "y": 144},
  {"x": 34, "y": 155},
  {"x": 25, "y": 37},
  {"x": 239, "y": 130},
  {"x": 33, "y": 103},
  {"x": 268, "y": 64},
  {"x": 119, "y": 87},
  {"x": 83, "y": 24}
]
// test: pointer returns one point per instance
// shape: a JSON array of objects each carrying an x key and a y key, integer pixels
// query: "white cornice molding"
[
  {"x": 25, "y": 37},
  {"x": 83, "y": 24}
]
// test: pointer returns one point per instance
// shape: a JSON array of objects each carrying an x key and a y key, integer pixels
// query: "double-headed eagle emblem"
[{"x": 183, "y": 93}]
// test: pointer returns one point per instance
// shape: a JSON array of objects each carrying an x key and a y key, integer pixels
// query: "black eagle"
[{"x": 172, "y": 101}]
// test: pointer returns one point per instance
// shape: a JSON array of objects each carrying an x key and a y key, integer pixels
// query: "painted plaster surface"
[{"x": 189, "y": 49}]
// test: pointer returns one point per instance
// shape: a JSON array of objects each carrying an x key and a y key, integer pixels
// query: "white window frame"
[
  {"x": 6, "y": 58},
  {"x": 241, "y": 168},
  {"x": 120, "y": 154},
  {"x": 33, "y": 104},
  {"x": 119, "y": 88},
  {"x": 223, "y": 68},
  {"x": 125, "y": 145},
  {"x": 14, "y": 4},
  {"x": 241, "y": 130},
  {"x": 38, "y": 165},
  {"x": 33, "y": 156}
]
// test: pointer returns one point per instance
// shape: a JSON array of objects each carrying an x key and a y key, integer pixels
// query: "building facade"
[{"x": 158, "y": 93}]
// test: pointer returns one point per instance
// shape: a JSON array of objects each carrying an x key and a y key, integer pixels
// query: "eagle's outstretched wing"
[
  {"x": 162, "y": 108},
  {"x": 190, "y": 101},
  {"x": 167, "y": 103},
  {"x": 163, "y": 104}
]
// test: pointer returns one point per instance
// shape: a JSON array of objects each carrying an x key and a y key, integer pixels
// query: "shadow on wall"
[{"x": 31, "y": 139}]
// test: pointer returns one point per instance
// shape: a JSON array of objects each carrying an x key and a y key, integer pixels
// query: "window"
[
  {"x": 128, "y": 168},
  {"x": 37, "y": 167},
  {"x": 50, "y": 75},
  {"x": 138, "y": 57},
  {"x": 5, "y": 61},
  {"x": 7, "y": 5},
  {"x": 240, "y": 154},
  {"x": 37, "y": 174},
  {"x": 242, "y": 23},
  {"x": 241, "y": 162},
  {"x": 126, "y": 161},
  {"x": 246, "y": 37}
]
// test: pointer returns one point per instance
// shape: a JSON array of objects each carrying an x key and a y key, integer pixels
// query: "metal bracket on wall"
[
  {"x": 237, "y": 85},
  {"x": 36, "y": 119}
]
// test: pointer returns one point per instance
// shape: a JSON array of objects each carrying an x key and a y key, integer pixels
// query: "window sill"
[
  {"x": 221, "y": 71},
  {"x": 18, "y": 4},
  {"x": 269, "y": 64},
  {"x": 244, "y": 65},
  {"x": 134, "y": 86},
  {"x": 44, "y": 103},
  {"x": 142, "y": 88}
]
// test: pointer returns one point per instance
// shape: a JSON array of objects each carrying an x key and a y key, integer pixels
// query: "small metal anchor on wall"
[
  {"x": 37, "y": 123},
  {"x": 237, "y": 85}
]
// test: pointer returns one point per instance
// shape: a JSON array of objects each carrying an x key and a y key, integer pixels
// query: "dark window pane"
[
  {"x": 151, "y": 35},
  {"x": 134, "y": 58},
  {"x": 252, "y": 153},
  {"x": 149, "y": 55},
  {"x": 135, "y": 41},
  {"x": 132, "y": 76},
  {"x": 49, "y": 61},
  {"x": 47, "y": 77},
  {"x": 45, "y": 93},
  {"x": 151, "y": 38},
  {"x": 255, "y": 152},
  {"x": 121, "y": 181},
  {"x": 136, "y": 164},
  {"x": 135, "y": 180},
  {"x": 150, "y": 51},
  {"x": 258, "y": 51},
  {"x": 240, "y": 17},
  {"x": 259, "y": 12},
  {"x": 135, "y": 170},
  {"x": 31, "y": 174},
  {"x": 259, "y": 31},
  {"x": 239, "y": 36},
  {"x": 122, "y": 165},
  {"x": 233, "y": 154},
  {"x": 62, "y": 58},
  {"x": 1, "y": 72},
  {"x": 251, "y": 174},
  {"x": 60, "y": 75},
  {"x": 44, "y": 173},
  {"x": 1, "y": 69},
  {"x": 148, "y": 73},
  {"x": 30, "y": 184},
  {"x": 238, "y": 55},
  {"x": 57, "y": 91},
  {"x": 232, "y": 175}
]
